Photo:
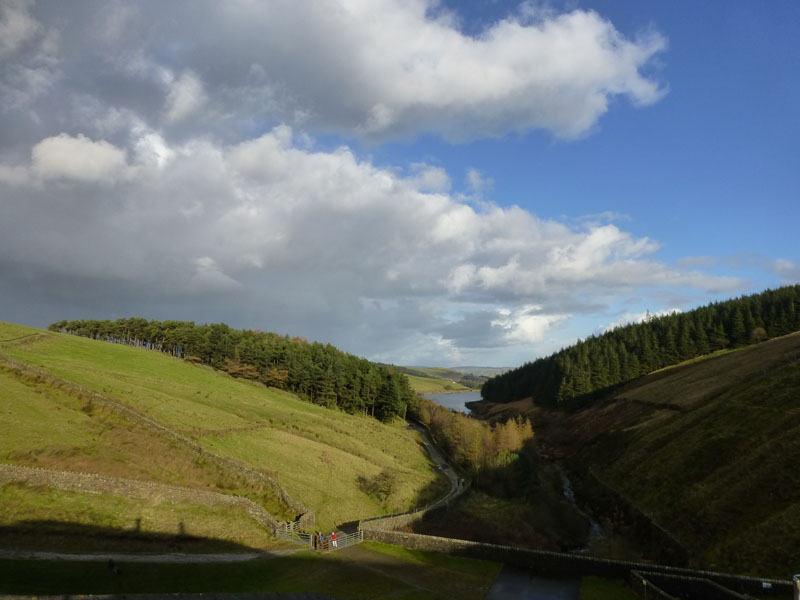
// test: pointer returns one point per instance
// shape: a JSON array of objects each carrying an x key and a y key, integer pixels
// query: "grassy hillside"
[
  {"x": 437, "y": 380},
  {"x": 709, "y": 449},
  {"x": 431, "y": 385},
  {"x": 325, "y": 459}
]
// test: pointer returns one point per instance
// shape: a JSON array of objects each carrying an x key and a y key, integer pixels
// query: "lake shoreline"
[{"x": 456, "y": 401}]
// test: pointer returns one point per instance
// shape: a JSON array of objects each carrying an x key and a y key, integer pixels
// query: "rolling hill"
[
  {"x": 709, "y": 449},
  {"x": 78, "y": 405},
  {"x": 437, "y": 380}
]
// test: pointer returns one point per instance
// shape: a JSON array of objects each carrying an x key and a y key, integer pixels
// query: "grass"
[
  {"x": 597, "y": 588},
  {"x": 72, "y": 522},
  {"x": 430, "y": 385},
  {"x": 544, "y": 522},
  {"x": 318, "y": 454},
  {"x": 51, "y": 427},
  {"x": 362, "y": 572},
  {"x": 710, "y": 451}
]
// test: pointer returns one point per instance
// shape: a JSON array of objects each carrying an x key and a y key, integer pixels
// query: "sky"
[{"x": 416, "y": 182}]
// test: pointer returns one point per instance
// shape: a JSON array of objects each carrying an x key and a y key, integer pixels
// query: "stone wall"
[
  {"x": 305, "y": 515},
  {"x": 680, "y": 586},
  {"x": 92, "y": 483},
  {"x": 392, "y": 522},
  {"x": 560, "y": 564}
]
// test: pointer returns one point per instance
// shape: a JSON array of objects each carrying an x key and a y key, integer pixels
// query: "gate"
[{"x": 289, "y": 533}]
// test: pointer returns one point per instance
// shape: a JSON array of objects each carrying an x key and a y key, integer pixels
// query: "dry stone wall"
[
  {"x": 561, "y": 564},
  {"x": 305, "y": 516},
  {"x": 92, "y": 483},
  {"x": 392, "y": 522}
]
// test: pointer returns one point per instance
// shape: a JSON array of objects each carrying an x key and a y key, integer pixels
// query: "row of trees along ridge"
[
  {"x": 627, "y": 352},
  {"x": 318, "y": 373}
]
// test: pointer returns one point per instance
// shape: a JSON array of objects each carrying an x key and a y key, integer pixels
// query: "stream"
[{"x": 596, "y": 531}]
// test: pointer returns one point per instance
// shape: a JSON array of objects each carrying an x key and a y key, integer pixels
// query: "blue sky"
[
  {"x": 707, "y": 170},
  {"x": 418, "y": 183}
]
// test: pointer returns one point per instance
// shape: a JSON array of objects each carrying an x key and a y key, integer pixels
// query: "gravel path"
[{"x": 456, "y": 489}]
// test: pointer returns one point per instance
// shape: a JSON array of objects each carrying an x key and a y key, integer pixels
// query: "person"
[
  {"x": 322, "y": 541},
  {"x": 334, "y": 540}
]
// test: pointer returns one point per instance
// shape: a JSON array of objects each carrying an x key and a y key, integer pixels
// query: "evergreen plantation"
[
  {"x": 620, "y": 355},
  {"x": 318, "y": 373}
]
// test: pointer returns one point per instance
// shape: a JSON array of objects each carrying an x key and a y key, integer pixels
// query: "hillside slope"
[
  {"x": 326, "y": 459},
  {"x": 586, "y": 370},
  {"x": 709, "y": 449}
]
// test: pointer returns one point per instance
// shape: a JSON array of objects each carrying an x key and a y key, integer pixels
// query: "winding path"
[{"x": 456, "y": 489}]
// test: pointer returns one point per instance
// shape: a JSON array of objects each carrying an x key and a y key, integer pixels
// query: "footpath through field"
[{"x": 456, "y": 487}]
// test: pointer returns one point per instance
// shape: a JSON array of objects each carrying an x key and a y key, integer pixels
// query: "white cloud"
[
  {"x": 477, "y": 183},
  {"x": 628, "y": 318},
  {"x": 284, "y": 237},
  {"x": 78, "y": 158},
  {"x": 698, "y": 261},
  {"x": 788, "y": 271},
  {"x": 16, "y": 26},
  {"x": 186, "y": 96},
  {"x": 376, "y": 69},
  {"x": 527, "y": 325},
  {"x": 427, "y": 178}
]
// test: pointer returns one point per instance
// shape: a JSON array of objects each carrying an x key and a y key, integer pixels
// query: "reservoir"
[{"x": 455, "y": 401}]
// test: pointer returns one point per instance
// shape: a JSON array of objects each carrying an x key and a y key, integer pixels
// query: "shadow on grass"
[
  {"x": 76, "y": 538},
  {"x": 361, "y": 572}
]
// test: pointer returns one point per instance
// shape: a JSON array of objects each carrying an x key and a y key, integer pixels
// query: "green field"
[
  {"x": 34, "y": 517},
  {"x": 361, "y": 572},
  {"x": 325, "y": 459},
  {"x": 430, "y": 385},
  {"x": 711, "y": 451}
]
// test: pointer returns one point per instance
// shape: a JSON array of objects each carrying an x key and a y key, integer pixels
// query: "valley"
[
  {"x": 649, "y": 461},
  {"x": 706, "y": 450}
]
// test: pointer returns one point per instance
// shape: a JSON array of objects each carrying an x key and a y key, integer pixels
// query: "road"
[
  {"x": 456, "y": 489},
  {"x": 518, "y": 584}
]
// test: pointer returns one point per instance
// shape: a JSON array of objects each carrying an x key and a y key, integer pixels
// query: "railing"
[
  {"x": 349, "y": 539},
  {"x": 288, "y": 532},
  {"x": 344, "y": 540}
]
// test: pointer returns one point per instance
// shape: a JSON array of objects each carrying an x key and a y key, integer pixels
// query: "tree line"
[
  {"x": 602, "y": 361},
  {"x": 498, "y": 456},
  {"x": 318, "y": 373}
]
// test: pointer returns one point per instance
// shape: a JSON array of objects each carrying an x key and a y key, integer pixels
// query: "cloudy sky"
[{"x": 417, "y": 182}]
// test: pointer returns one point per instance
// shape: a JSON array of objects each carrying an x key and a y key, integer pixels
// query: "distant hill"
[
  {"x": 69, "y": 403},
  {"x": 481, "y": 371},
  {"x": 591, "y": 367},
  {"x": 431, "y": 385},
  {"x": 710, "y": 449},
  {"x": 452, "y": 379}
]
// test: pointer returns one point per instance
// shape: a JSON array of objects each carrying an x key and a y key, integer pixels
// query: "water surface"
[{"x": 455, "y": 401}]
